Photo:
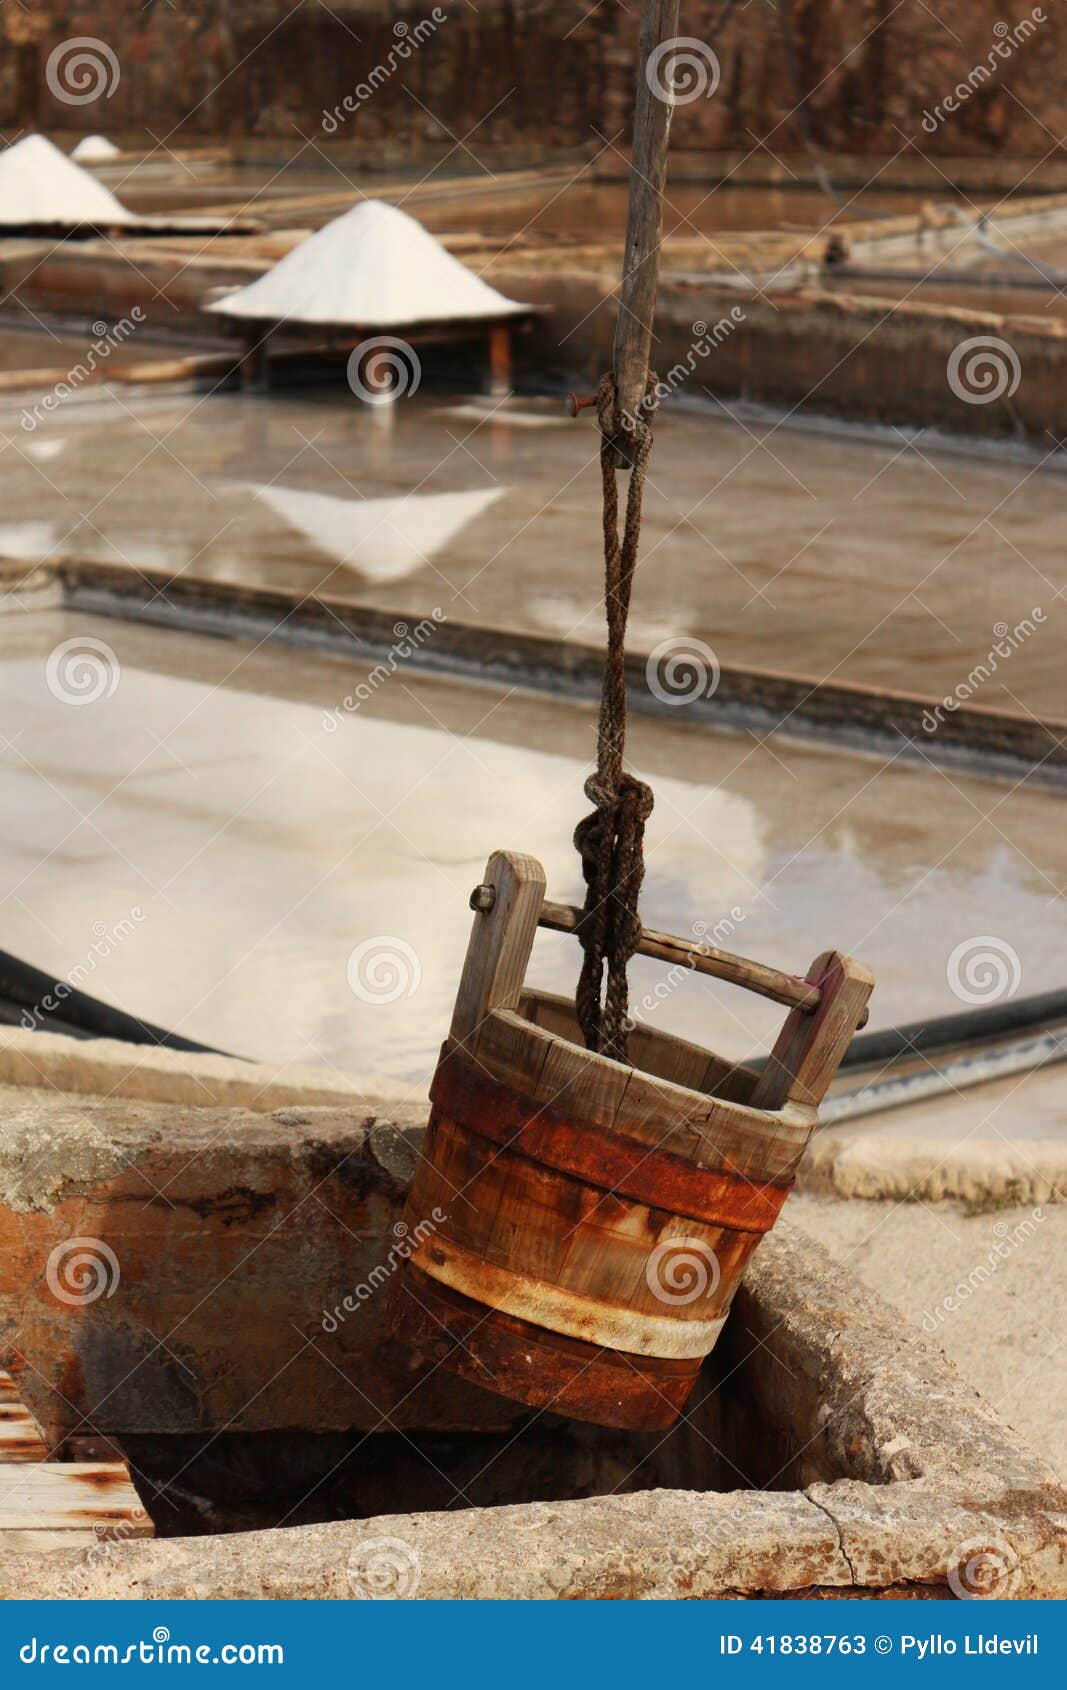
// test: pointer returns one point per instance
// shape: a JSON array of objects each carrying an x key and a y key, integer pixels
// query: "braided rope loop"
[{"x": 610, "y": 840}]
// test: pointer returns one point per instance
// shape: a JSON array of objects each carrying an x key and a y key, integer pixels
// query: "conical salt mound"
[
  {"x": 40, "y": 186},
  {"x": 374, "y": 267},
  {"x": 95, "y": 149}
]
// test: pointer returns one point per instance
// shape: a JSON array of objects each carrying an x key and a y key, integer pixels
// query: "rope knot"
[
  {"x": 628, "y": 432},
  {"x": 636, "y": 797}
]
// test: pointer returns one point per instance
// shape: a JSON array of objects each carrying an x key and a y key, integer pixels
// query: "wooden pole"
[
  {"x": 500, "y": 358},
  {"x": 644, "y": 226}
]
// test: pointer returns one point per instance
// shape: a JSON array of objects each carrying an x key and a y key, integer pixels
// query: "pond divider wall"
[{"x": 973, "y": 738}]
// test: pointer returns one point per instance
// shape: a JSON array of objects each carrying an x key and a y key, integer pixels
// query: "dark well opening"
[{"x": 197, "y": 1483}]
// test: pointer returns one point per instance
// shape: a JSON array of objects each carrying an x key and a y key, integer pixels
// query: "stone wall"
[{"x": 537, "y": 74}]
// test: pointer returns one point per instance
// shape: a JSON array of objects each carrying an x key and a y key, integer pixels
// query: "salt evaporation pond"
[
  {"x": 211, "y": 838},
  {"x": 822, "y": 551}
]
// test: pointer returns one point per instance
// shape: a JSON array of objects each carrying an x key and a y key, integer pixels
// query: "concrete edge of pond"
[
  {"x": 895, "y": 1158},
  {"x": 976, "y": 739},
  {"x": 943, "y": 1495},
  {"x": 876, "y": 1157},
  {"x": 152, "y": 1074}
]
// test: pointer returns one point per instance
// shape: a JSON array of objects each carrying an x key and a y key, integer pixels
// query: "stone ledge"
[
  {"x": 151, "y": 1074},
  {"x": 898, "y": 1468},
  {"x": 923, "y": 1150},
  {"x": 992, "y": 1145}
]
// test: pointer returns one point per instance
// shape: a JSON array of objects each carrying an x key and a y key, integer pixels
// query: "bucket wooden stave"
[{"x": 592, "y": 1221}]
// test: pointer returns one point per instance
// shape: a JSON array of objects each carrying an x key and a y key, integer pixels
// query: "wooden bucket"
[{"x": 578, "y": 1227}]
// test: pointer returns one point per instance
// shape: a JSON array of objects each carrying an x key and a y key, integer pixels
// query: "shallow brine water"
[
  {"x": 817, "y": 551},
  {"x": 207, "y": 835},
  {"x": 572, "y": 202}
]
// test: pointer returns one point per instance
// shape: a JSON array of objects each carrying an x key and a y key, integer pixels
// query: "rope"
[{"x": 610, "y": 840}]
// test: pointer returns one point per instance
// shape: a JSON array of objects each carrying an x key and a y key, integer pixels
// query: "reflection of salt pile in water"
[
  {"x": 95, "y": 149},
  {"x": 384, "y": 539},
  {"x": 28, "y": 542},
  {"x": 41, "y": 188},
  {"x": 374, "y": 267}
]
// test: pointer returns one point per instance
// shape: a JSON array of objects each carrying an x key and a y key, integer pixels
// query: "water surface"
[{"x": 213, "y": 840}]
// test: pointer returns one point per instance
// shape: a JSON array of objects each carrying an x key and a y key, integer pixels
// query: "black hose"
[
  {"x": 37, "y": 1001},
  {"x": 950, "y": 1032}
]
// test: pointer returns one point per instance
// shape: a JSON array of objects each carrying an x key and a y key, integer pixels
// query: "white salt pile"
[
  {"x": 40, "y": 186},
  {"x": 374, "y": 267},
  {"x": 95, "y": 149}
]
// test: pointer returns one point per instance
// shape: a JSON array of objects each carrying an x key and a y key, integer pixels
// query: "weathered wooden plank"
[
  {"x": 506, "y": 1050},
  {"x": 72, "y": 1496},
  {"x": 578, "y": 1082},
  {"x": 686, "y": 1064},
  {"x": 58, "y": 1504},
  {"x": 668, "y": 1058},
  {"x": 809, "y": 1048},
  {"x": 500, "y": 943},
  {"x": 758, "y": 1144},
  {"x": 21, "y": 1438}
]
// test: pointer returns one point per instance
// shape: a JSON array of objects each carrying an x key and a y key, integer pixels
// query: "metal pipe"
[
  {"x": 38, "y": 1001},
  {"x": 949, "y": 1032}
]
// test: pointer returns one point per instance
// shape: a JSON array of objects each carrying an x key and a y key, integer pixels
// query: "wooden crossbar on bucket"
[{"x": 598, "y": 1216}]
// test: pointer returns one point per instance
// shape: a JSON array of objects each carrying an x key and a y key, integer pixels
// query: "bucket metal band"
[{"x": 609, "y": 1325}]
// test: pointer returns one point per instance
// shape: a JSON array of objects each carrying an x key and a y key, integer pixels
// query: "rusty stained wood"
[
  {"x": 622, "y": 1165},
  {"x": 713, "y": 1132},
  {"x": 559, "y": 1309},
  {"x": 530, "y": 1364},
  {"x": 598, "y": 1217},
  {"x": 59, "y": 1504},
  {"x": 63, "y": 1504}
]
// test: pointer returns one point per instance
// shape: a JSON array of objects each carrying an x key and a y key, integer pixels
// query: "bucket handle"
[
  {"x": 826, "y": 1007},
  {"x": 706, "y": 959}
]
